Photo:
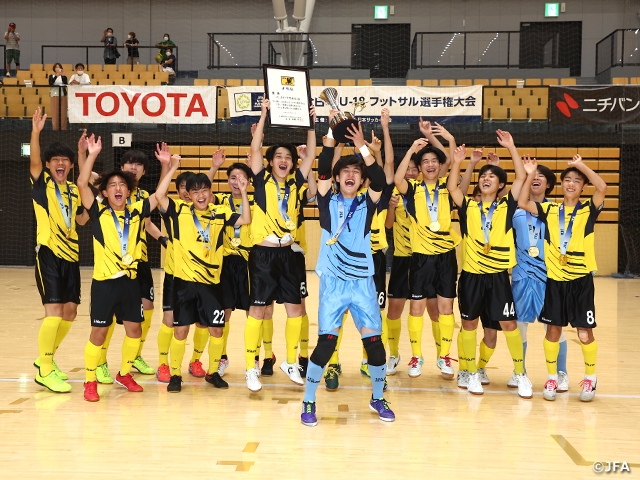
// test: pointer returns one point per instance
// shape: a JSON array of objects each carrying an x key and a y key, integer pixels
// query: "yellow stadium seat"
[
  {"x": 512, "y": 82},
  {"x": 200, "y": 82},
  {"x": 110, "y": 68},
  {"x": 588, "y": 152},
  {"x": 609, "y": 152},
  {"x": 10, "y": 81},
  {"x": 14, "y": 100},
  {"x": 36, "y": 67},
  {"x": 492, "y": 100},
  {"x": 498, "y": 82},
  {"x": 430, "y": 82},
  {"x": 538, "y": 113},
  {"x": 533, "y": 82},
  {"x": 315, "y": 82},
  {"x": 348, "y": 82},
  {"x": 530, "y": 101},
  {"x": 566, "y": 152},
  {"x": 250, "y": 82},
  {"x": 140, "y": 67},
  {"x": 233, "y": 82},
  {"x": 333, "y": 82},
  {"x": 138, "y": 82},
  {"x": 413, "y": 83},
  {"x": 446, "y": 82},
  {"x": 365, "y": 82},
  {"x": 549, "y": 81},
  {"x": 464, "y": 82},
  {"x": 619, "y": 81},
  {"x": 22, "y": 75},
  {"x": 567, "y": 81},
  {"x": 216, "y": 81},
  {"x": 95, "y": 67},
  {"x": 15, "y": 110},
  {"x": 261, "y": 82},
  {"x": 68, "y": 68},
  {"x": 498, "y": 113},
  {"x": 518, "y": 113},
  {"x": 511, "y": 101},
  {"x": 155, "y": 82},
  {"x": 481, "y": 81},
  {"x": 162, "y": 76}
]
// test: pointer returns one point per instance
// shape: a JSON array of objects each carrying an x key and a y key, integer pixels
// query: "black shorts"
[
  {"x": 119, "y": 297},
  {"x": 301, "y": 271},
  {"x": 145, "y": 280},
  {"x": 433, "y": 275},
  {"x": 571, "y": 302},
  {"x": 399, "y": 278},
  {"x": 234, "y": 280},
  {"x": 167, "y": 293},
  {"x": 197, "y": 302},
  {"x": 380, "y": 277},
  {"x": 58, "y": 280},
  {"x": 273, "y": 276},
  {"x": 487, "y": 296}
]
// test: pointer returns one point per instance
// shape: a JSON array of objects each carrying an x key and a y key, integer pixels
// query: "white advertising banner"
[{"x": 129, "y": 104}]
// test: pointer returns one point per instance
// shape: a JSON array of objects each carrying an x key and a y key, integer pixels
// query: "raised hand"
[
  {"x": 476, "y": 156},
  {"x": 242, "y": 183},
  {"x": 441, "y": 131},
  {"x": 175, "y": 161},
  {"x": 302, "y": 151},
  {"x": 94, "y": 146},
  {"x": 385, "y": 119},
  {"x": 375, "y": 144},
  {"x": 425, "y": 127},
  {"x": 38, "y": 120},
  {"x": 266, "y": 105},
  {"x": 356, "y": 135},
  {"x": 493, "y": 159},
  {"x": 163, "y": 154},
  {"x": 419, "y": 144},
  {"x": 530, "y": 165},
  {"x": 332, "y": 113},
  {"x": 312, "y": 112},
  {"x": 82, "y": 142},
  {"x": 460, "y": 154},
  {"x": 504, "y": 138},
  {"x": 218, "y": 158},
  {"x": 575, "y": 161},
  {"x": 393, "y": 201}
]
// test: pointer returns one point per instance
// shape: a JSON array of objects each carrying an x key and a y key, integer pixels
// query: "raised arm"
[
  {"x": 399, "y": 180},
  {"x": 444, "y": 133},
  {"x": 456, "y": 194},
  {"x": 37, "y": 124},
  {"x": 256, "y": 142},
  {"x": 389, "y": 154},
  {"x": 391, "y": 211},
  {"x": 160, "y": 197},
  {"x": 82, "y": 155},
  {"x": 245, "y": 217},
  {"x": 307, "y": 162},
  {"x": 595, "y": 180},
  {"x": 476, "y": 156},
  {"x": 303, "y": 152},
  {"x": 325, "y": 165},
  {"x": 374, "y": 171},
  {"x": 86, "y": 194},
  {"x": 530, "y": 166},
  {"x": 506, "y": 140},
  {"x": 217, "y": 160}
]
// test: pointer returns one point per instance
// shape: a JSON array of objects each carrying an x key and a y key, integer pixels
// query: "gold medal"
[
  {"x": 486, "y": 248},
  {"x": 534, "y": 251},
  {"x": 332, "y": 240},
  {"x": 68, "y": 233},
  {"x": 127, "y": 259},
  {"x": 235, "y": 241},
  {"x": 434, "y": 226},
  {"x": 290, "y": 224},
  {"x": 563, "y": 260}
]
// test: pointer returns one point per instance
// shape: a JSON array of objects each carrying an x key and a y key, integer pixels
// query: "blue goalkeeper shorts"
[{"x": 528, "y": 297}]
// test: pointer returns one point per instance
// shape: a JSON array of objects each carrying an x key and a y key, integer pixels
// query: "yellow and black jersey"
[
  {"x": 107, "y": 248},
  {"x": 55, "y": 229},
  {"x": 135, "y": 196},
  {"x": 198, "y": 258},
  {"x": 499, "y": 253},
  {"x": 168, "y": 254},
  {"x": 401, "y": 229},
  {"x": 378, "y": 232},
  {"x": 580, "y": 252},
  {"x": 267, "y": 218},
  {"x": 244, "y": 231},
  {"x": 301, "y": 232},
  {"x": 423, "y": 239}
]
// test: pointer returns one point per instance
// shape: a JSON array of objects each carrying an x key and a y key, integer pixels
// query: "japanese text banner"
[
  {"x": 406, "y": 104},
  {"x": 592, "y": 105},
  {"x": 129, "y": 104}
]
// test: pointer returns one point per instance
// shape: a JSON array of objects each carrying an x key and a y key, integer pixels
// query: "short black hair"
[
  {"x": 102, "y": 181},
  {"x": 497, "y": 171},
  {"x": 476, "y": 191},
  {"x": 79, "y": 65},
  {"x": 198, "y": 181},
  {"x": 135, "y": 156},
  {"x": 183, "y": 177},
  {"x": 574, "y": 169},
  {"x": 347, "y": 161},
  {"x": 271, "y": 151},
  {"x": 109, "y": 28},
  {"x": 240, "y": 166},
  {"x": 57, "y": 149},
  {"x": 550, "y": 176},
  {"x": 417, "y": 157}
]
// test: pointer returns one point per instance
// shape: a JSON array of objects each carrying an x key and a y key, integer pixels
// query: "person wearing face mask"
[
  {"x": 164, "y": 45},
  {"x": 110, "y": 42},
  {"x": 169, "y": 64},
  {"x": 132, "y": 46},
  {"x": 80, "y": 78},
  {"x": 58, "y": 94}
]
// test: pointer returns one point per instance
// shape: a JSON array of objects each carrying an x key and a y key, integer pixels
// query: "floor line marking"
[{"x": 575, "y": 455}]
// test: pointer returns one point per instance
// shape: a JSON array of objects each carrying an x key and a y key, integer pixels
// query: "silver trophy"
[{"x": 341, "y": 121}]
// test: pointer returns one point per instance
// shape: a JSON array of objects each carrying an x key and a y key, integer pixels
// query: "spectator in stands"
[
  {"x": 58, "y": 94},
  {"x": 165, "y": 44},
  {"x": 80, "y": 78},
  {"x": 169, "y": 64},
  {"x": 110, "y": 42},
  {"x": 132, "y": 46},
  {"x": 12, "y": 53}
]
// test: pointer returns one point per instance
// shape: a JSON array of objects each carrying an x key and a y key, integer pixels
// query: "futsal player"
[
  {"x": 345, "y": 268},
  {"x": 569, "y": 254},
  {"x": 484, "y": 291},
  {"x": 57, "y": 208},
  {"x": 272, "y": 274}
]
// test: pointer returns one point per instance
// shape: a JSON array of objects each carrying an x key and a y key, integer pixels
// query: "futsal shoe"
[
  {"x": 102, "y": 374},
  {"x": 415, "y": 367},
  {"x": 392, "y": 364},
  {"x": 91, "y": 391},
  {"x": 364, "y": 369},
  {"x": 222, "y": 366},
  {"x": 291, "y": 369},
  {"x": 195, "y": 369},
  {"x": 513, "y": 381},
  {"x": 267, "y": 366},
  {"x": 484, "y": 379},
  {"x": 143, "y": 367},
  {"x": 128, "y": 382},
  {"x": 251, "y": 376},
  {"x": 331, "y": 378},
  {"x": 563, "y": 382},
  {"x": 308, "y": 416},
  {"x": 53, "y": 382},
  {"x": 175, "y": 384},
  {"x": 474, "y": 385},
  {"x": 60, "y": 373},
  {"x": 588, "y": 389},
  {"x": 463, "y": 379},
  {"x": 164, "y": 373},
  {"x": 303, "y": 363},
  {"x": 216, "y": 380},
  {"x": 381, "y": 407},
  {"x": 549, "y": 391},
  {"x": 525, "y": 389},
  {"x": 446, "y": 370}
]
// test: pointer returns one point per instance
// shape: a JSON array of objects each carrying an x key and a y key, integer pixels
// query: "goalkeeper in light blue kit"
[{"x": 345, "y": 267}]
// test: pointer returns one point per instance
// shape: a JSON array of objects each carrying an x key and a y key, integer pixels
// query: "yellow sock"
[
  {"x": 435, "y": 331},
  {"x": 251, "y": 335},
  {"x": 394, "y": 327},
  {"x": 292, "y": 335},
  {"x": 415, "y": 326},
  {"x": 447, "y": 325},
  {"x": 164, "y": 343},
  {"x": 469, "y": 343},
  {"x": 267, "y": 337},
  {"x": 107, "y": 341},
  {"x": 177, "y": 355},
  {"x": 334, "y": 360},
  {"x": 259, "y": 344},
  {"x": 91, "y": 359},
  {"x": 462, "y": 360},
  {"x": 590, "y": 352},
  {"x": 146, "y": 325},
  {"x": 551, "y": 350},
  {"x": 514, "y": 342},
  {"x": 384, "y": 334},
  {"x": 47, "y": 342},
  {"x": 225, "y": 337},
  {"x": 200, "y": 338},
  {"x": 485, "y": 354},
  {"x": 365, "y": 357},
  {"x": 63, "y": 329},
  {"x": 130, "y": 349},
  {"x": 215, "y": 352},
  {"x": 304, "y": 337}
]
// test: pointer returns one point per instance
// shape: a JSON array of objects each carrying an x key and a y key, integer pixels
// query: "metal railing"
[
  {"x": 618, "y": 49},
  {"x": 93, "y": 54},
  {"x": 465, "y": 49}
]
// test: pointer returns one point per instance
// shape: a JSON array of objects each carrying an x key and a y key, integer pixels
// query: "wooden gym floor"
[{"x": 440, "y": 431}]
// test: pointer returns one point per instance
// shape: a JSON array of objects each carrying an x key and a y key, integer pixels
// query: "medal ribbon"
[
  {"x": 432, "y": 208},
  {"x": 236, "y": 230},
  {"x": 137, "y": 197},
  {"x": 565, "y": 235},
  {"x": 534, "y": 227},
  {"x": 283, "y": 200},
  {"x": 204, "y": 233},
  {"x": 352, "y": 209},
  {"x": 124, "y": 236},
  {"x": 66, "y": 213},
  {"x": 486, "y": 220}
]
